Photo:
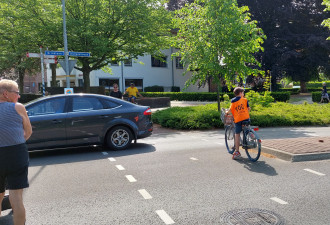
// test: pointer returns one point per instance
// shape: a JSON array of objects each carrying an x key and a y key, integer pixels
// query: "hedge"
[
  {"x": 60, "y": 90},
  {"x": 24, "y": 98},
  {"x": 154, "y": 88},
  {"x": 293, "y": 91},
  {"x": 208, "y": 96},
  {"x": 278, "y": 114}
]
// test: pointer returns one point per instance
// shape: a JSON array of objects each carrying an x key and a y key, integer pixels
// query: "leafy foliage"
[
  {"x": 277, "y": 114},
  {"x": 217, "y": 39},
  {"x": 256, "y": 99}
]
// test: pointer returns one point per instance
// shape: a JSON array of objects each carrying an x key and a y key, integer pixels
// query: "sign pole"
[
  {"x": 65, "y": 47},
  {"x": 42, "y": 71}
]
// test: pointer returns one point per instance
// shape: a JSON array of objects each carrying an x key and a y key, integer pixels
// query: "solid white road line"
[
  {"x": 145, "y": 194},
  {"x": 315, "y": 172},
  {"x": 130, "y": 178},
  {"x": 279, "y": 200},
  {"x": 120, "y": 167},
  {"x": 192, "y": 158},
  {"x": 165, "y": 217},
  {"x": 104, "y": 153},
  {"x": 112, "y": 159}
]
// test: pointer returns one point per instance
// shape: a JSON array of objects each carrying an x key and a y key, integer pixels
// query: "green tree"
[
  {"x": 111, "y": 30},
  {"x": 326, "y": 22},
  {"x": 217, "y": 39}
]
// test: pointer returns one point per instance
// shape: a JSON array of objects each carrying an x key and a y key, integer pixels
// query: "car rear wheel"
[{"x": 119, "y": 138}]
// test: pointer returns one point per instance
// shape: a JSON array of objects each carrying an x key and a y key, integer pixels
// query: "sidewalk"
[{"x": 288, "y": 143}]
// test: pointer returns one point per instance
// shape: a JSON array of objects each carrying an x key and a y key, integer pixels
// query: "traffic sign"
[
  {"x": 72, "y": 63},
  {"x": 32, "y": 55},
  {"x": 80, "y": 54},
  {"x": 54, "y": 53},
  {"x": 53, "y": 61}
]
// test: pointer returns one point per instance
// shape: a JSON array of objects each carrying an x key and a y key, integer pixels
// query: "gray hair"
[{"x": 7, "y": 85}]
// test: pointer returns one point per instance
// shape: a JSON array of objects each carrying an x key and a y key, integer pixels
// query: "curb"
[{"x": 296, "y": 157}]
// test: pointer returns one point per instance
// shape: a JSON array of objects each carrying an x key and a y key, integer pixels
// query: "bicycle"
[{"x": 249, "y": 139}]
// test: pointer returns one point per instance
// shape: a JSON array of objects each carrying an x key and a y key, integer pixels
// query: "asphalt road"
[{"x": 173, "y": 177}]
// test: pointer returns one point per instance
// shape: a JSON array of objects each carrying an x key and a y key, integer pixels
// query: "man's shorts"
[
  {"x": 130, "y": 98},
  {"x": 14, "y": 164},
  {"x": 238, "y": 126}
]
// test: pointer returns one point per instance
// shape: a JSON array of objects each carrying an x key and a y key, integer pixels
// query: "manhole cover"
[{"x": 252, "y": 217}]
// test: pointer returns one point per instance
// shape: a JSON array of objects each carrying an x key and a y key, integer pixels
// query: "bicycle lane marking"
[
  {"x": 278, "y": 200},
  {"x": 165, "y": 217},
  {"x": 145, "y": 194},
  {"x": 314, "y": 172}
]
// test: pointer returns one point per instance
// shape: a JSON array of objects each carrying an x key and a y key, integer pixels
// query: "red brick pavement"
[{"x": 299, "y": 145}]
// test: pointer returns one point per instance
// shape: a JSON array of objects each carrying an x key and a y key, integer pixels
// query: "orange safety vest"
[{"x": 240, "y": 110}]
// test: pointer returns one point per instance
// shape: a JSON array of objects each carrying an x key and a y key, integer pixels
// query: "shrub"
[
  {"x": 257, "y": 99},
  {"x": 28, "y": 97},
  {"x": 187, "y": 96},
  {"x": 175, "y": 89},
  {"x": 277, "y": 114},
  {"x": 293, "y": 91},
  {"x": 316, "y": 96},
  {"x": 60, "y": 90},
  {"x": 154, "y": 88},
  {"x": 281, "y": 96}
]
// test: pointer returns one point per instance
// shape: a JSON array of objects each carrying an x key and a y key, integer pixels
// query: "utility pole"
[{"x": 66, "y": 52}]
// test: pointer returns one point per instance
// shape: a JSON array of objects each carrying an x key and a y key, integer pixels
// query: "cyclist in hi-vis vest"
[{"x": 240, "y": 109}]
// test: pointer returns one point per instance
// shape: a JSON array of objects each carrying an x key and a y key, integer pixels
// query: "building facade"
[{"x": 144, "y": 71}]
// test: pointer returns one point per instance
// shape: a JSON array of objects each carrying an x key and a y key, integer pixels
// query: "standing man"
[
  {"x": 132, "y": 93},
  {"x": 15, "y": 129}
]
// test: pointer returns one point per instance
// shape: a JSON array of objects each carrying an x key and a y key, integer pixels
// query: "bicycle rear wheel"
[
  {"x": 253, "y": 148},
  {"x": 230, "y": 138}
]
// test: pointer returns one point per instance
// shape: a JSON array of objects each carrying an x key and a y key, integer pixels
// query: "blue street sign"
[
  {"x": 80, "y": 54},
  {"x": 54, "y": 53}
]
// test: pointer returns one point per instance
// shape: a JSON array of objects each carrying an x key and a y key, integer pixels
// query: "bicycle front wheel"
[
  {"x": 230, "y": 138},
  {"x": 253, "y": 148}
]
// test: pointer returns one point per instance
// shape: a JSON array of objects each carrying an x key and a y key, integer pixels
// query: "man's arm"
[{"x": 26, "y": 121}]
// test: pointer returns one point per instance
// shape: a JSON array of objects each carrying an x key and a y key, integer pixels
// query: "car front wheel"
[{"x": 119, "y": 138}]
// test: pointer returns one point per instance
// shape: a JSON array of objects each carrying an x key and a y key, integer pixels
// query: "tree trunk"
[
  {"x": 303, "y": 88},
  {"x": 87, "y": 88},
  {"x": 53, "y": 68},
  {"x": 21, "y": 80}
]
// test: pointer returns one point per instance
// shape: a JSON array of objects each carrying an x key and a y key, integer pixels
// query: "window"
[
  {"x": 159, "y": 61},
  {"x": 109, "y": 104},
  {"x": 51, "y": 106},
  {"x": 178, "y": 63},
  {"x": 85, "y": 104},
  {"x": 137, "y": 82},
  {"x": 108, "y": 83},
  {"x": 128, "y": 62}
]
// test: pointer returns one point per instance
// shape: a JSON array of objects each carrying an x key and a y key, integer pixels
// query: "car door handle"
[
  {"x": 57, "y": 121},
  {"x": 103, "y": 116}
]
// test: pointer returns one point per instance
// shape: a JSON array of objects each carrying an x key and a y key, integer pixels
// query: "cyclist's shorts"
[
  {"x": 130, "y": 98},
  {"x": 238, "y": 126}
]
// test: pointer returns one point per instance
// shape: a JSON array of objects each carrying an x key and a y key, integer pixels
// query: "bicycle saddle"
[{"x": 246, "y": 123}]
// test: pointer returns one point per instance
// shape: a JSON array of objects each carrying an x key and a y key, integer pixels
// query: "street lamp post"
[{"x": 65, "y": 47}]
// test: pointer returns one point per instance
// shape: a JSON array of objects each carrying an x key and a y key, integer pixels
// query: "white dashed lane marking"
[
  {"x": 315, "y": 172},
  {"x": 112, "y": 159},
  {"x": 165, "y": 217},
  {"x": 194, "y": 159},
  {"x": 279, "y": 200},
  {"x": 104, "y": 153},
  {"x": 120, "y": 167},
  {"x": 145, "y": 194},
  {"x": 130, "y": 178}
]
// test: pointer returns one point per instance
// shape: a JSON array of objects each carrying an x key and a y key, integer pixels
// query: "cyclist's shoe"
[{"x": 236, "y": 155}]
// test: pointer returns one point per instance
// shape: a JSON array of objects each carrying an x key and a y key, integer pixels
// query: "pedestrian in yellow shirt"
[{"x": 132, "y": 93}]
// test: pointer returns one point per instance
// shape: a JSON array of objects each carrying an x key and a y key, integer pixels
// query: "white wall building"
[{"x": 144, "y": 71}]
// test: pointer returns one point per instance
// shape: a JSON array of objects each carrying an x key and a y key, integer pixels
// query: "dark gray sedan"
[{"x": 60, "y": 121}]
